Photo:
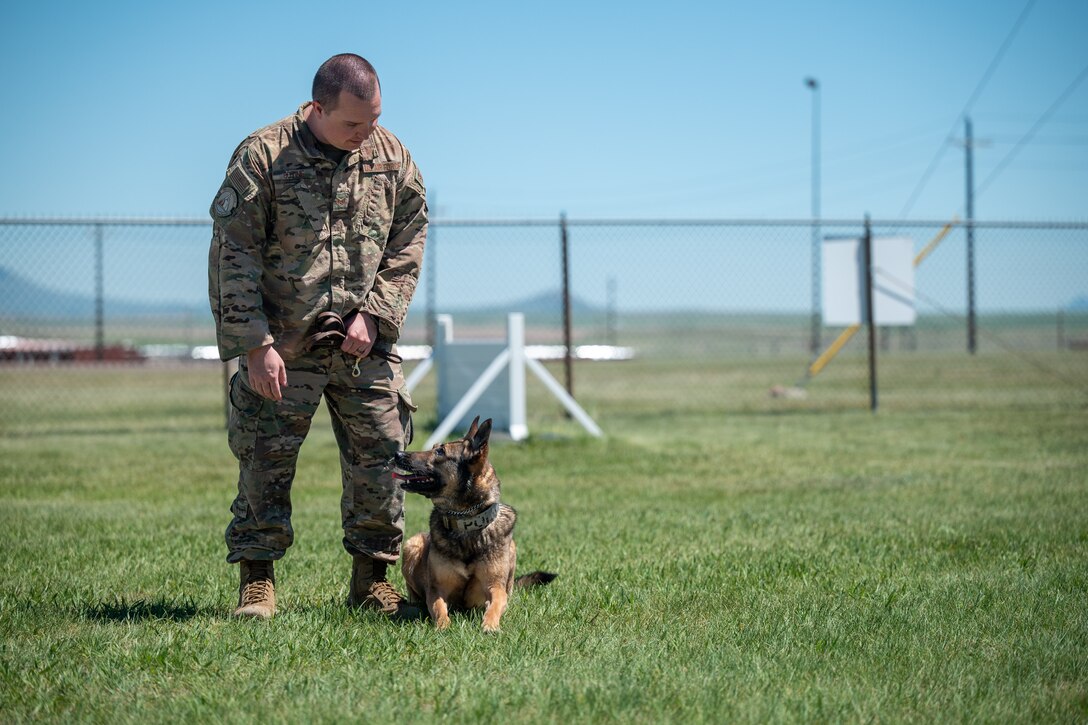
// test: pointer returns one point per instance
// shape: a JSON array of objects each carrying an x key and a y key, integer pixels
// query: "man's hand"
[
  {"x": 361, "y": 335},
  {"x": 267, "y": 373}
]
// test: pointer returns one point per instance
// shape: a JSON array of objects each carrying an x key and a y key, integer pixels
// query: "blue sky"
[{"x": 512, "y": 110}]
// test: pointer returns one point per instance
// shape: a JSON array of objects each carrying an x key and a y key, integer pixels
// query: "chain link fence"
[{"x": 82, "y": 301}]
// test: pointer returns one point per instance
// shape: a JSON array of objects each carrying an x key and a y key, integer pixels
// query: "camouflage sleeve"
[
  {"x": 240, "y": 214},
  {"x": 398, "y": 272}
]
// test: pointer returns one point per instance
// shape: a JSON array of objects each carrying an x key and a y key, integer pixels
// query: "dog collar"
[{"x": 462, "y": 521}]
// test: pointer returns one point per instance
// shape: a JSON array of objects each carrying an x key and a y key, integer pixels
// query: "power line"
[
  {"x": 1050, "y": 141},
  {"x": 1031, "y": 131},
  {"x": 970, "y": 101},
  {"x": 991, "y": 336}
]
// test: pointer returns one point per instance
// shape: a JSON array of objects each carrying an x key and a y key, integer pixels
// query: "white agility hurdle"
[{"x": 490, "y": 376}]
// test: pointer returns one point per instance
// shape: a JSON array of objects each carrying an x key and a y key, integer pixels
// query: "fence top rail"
[
  {"x": 589, "y": 222},
  {"x": 106, "y": 221}
]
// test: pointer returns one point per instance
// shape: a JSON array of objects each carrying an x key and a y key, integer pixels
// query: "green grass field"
[{"x": 723, "y": 557}]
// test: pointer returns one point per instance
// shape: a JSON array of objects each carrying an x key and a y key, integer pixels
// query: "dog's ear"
[
  {"x": 472, "y": 428},
  {"x": 478, "y": 441}
]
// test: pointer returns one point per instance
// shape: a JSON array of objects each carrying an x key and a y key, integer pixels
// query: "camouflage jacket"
[{"x": 296, "y": 234}]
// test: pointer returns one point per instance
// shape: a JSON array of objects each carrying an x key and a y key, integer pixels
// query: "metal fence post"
[
  {"x": 99, "y": 293},
  {"x": 568, "y": 367},
  {"x": 867, "y": 264},
  {"x": 814, "y": 339},
  {"x": 610, "y": 320},
  {"x": 431, "y": 262},
  {"x": 1061, "y": 329}
]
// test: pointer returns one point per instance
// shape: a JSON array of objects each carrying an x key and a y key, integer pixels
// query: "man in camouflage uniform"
[{"x": 323, "y": 211}]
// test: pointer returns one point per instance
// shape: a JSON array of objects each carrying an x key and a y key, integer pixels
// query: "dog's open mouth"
[{"x": 415, "y": 481}]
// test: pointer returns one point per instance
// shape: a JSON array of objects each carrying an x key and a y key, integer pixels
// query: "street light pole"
[{"x": 814, "y": 341}]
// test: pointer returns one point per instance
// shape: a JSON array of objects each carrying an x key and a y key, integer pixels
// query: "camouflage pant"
[{"x": 371, "y": 418}]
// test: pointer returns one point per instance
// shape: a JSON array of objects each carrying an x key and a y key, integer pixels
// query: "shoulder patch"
[
  {"x": 226, "y": 201},
  {"x": 416, "y": 183},
  {"x": 241, "y": 181}
]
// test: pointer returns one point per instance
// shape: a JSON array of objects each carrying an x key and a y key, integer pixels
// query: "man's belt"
[{"x": 330, "y": 330}]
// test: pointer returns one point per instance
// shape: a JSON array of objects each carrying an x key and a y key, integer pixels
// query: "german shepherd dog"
[{"x": 466, "y": 560}]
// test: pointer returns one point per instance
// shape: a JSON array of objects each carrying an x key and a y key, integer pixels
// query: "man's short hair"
[{"x": 344, "y": 72}]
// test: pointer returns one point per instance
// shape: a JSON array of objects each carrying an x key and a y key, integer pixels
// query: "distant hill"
[
  {"x": 1080, "y": 304},
  {"x": 19, "y": 297},
  {"x": 545, "y": 303}
]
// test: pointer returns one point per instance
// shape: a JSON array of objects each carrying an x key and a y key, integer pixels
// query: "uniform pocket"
[
  {"x": 301, "y": 216},
  {"x": 246, "y": 407},
  {"x": 316, "y": 208},
  {"x": 407, "y": 407}
]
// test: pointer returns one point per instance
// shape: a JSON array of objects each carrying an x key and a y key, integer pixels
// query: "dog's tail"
[{"x": 534, "y": 579}]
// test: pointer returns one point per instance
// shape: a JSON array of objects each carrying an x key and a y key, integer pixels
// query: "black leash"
[{"x": 332, "y": 330}]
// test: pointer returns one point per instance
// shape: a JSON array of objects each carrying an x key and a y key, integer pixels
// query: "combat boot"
[
  {"x": 371, "y": 590},
  {"x": 257, "y": 591}
]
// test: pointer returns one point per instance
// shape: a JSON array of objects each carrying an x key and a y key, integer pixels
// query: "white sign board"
[{"x": 843, "y": 281}]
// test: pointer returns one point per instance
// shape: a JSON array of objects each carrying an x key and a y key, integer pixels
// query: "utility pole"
[{"x": 969, "y": 146}]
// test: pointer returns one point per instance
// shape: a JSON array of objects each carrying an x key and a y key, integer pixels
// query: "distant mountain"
[
  {"x": 1080, "y": 304},
  {"x": 19, "y": 297},
  {"x": 544, "y": 303}
]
